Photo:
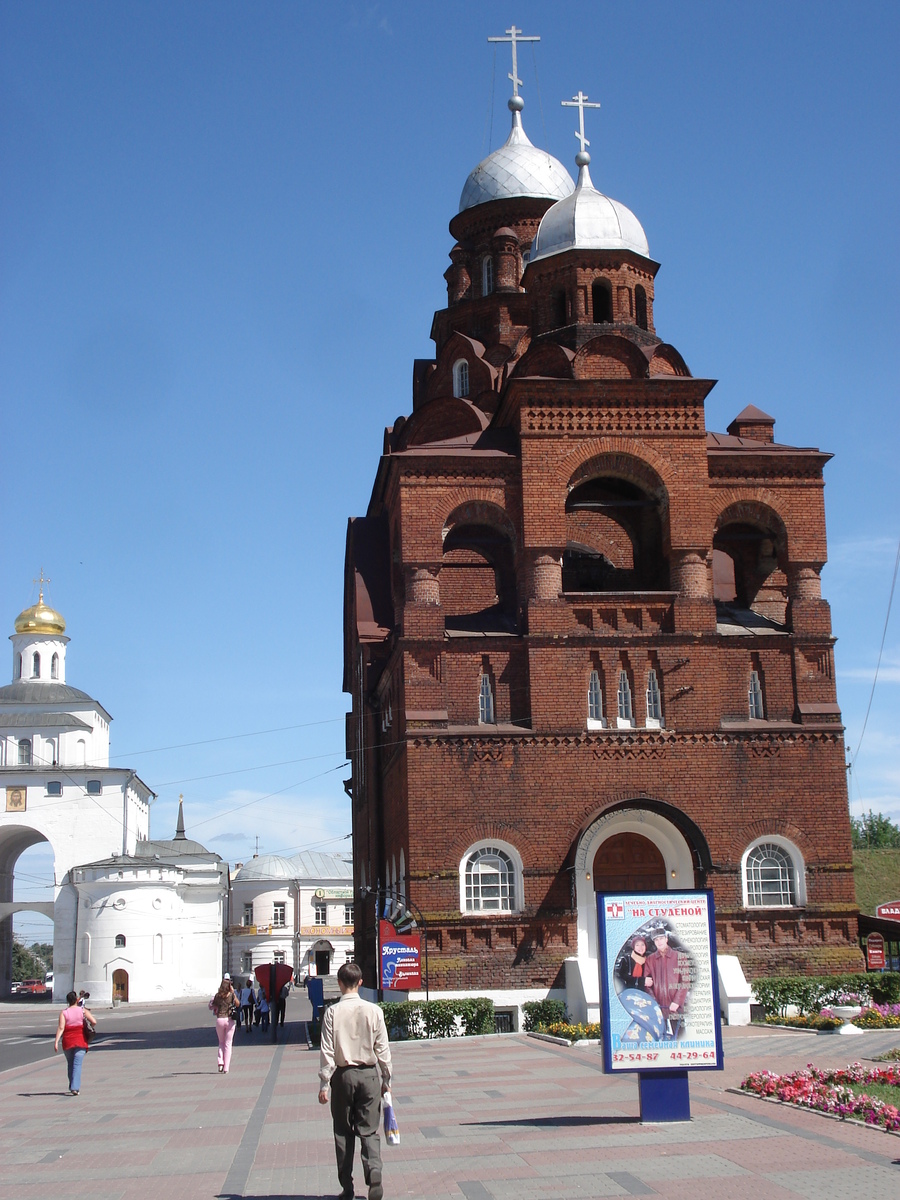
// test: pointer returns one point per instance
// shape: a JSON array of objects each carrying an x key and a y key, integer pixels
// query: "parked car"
[
  {"x": 14, "y": 987},
  {"x": 48, "y": 981},
  {"x": 33, "y": 987}
]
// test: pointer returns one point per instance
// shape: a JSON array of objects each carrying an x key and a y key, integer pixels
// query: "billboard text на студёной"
[{"x": 658, "y": 981}]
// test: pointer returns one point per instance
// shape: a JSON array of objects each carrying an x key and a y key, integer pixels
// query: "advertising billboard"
[
  {"x": 658, "y": 982},
  {"x": 400, "y": 966}
]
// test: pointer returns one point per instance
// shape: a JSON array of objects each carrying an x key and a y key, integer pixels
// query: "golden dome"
[{"x": 40, "y": 618}]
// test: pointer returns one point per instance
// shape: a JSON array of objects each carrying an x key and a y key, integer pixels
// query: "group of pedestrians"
[{"x": 255, "y": 1006}]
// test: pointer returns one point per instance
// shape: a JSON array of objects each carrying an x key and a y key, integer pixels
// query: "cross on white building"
[
  {"x": 514, "y": 36},
  {"x": 581, "y": 103}
]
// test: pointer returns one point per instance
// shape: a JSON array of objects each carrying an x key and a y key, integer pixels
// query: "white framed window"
[
  {"x": 772, "y": 874},
  {"x": 595, "y": 702},
  {"x": 278, "y": 956},
  {"x": 24, "y": 752},
  {"x": 755, "y": 698},
  {"x": 654, "y": 701},
  {"x": 94, "y": 787},
  {"x": 487, "y": 275},
  {"x": 246, "y": 961},
  {"x": 279, "y": 909},
  {"x": 490, "y": 878},
  {"x": 248, "y": 915},
  {"x": 320, "y": 914},
  {"x": 348, "y": 914},
  {"x": 625, "y": 707},
  {"x": 461, "y": 378},
  {"x": 54, "y": 667},
  {"x": 54, "y": 787},
  {"x": 36, "y": 666},
  {"x": 486, "y": 702}
]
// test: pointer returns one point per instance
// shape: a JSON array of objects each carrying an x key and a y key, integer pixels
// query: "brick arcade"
[{"x": 584, "y": 636}]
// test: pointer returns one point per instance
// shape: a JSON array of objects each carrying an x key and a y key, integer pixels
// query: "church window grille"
[
  {"x": 36, "y": 666},
  {"x": 601, "y": 302},
  {"x": 278, "y": 915},
  {"x": 487, "y": 276},
  {"x": 755, "y": 698},
  {"x": 24, "y": 752},
  {"x": 640, "y": 307},
  {"x": 490, "y": 881},
  {"x": 120, "y": 941},
  {"x": 595, "y": 702},
  {"x": 461, "y": 379},
  {"x": 485, "y": 702},
  {"x": 654, "y": 701},
  {"x": 94, "y": 787},
  {"x": 624, "y": 702},
  {"x": 770, "y": 877},
  {"x": 248, "y": 916},
  {"x": 54, "y": 787},
  {"x": 54, "y": 667}
]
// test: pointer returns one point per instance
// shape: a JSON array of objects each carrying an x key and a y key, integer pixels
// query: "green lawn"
[
  {"x": 877, "y": 877},
  {"x": 888, "y": 1092}
]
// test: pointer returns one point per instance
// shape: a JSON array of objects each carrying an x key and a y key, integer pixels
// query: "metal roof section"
[
  {"x": 311, "y": 864},
  {"x": 588, "y": 220},
  {"x": 266, "y": 866},
  {"x": 36, "y": 691},
  {"x": 33, "y": 720},
  {"x": 518, "y": 168}
]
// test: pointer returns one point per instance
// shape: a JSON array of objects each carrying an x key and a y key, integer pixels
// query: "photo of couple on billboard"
[{"x": 653, "y": 976}]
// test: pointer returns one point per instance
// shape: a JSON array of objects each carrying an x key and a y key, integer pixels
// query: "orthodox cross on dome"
[
  {"x": 41, "y": 583},
  {"x": 581, "y": 103},
  {"x": 514, "y": 36}
]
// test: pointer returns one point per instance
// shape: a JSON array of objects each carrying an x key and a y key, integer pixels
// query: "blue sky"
[{"x": 222, "y": 237}]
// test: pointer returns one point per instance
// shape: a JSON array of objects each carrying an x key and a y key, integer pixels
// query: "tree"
[
  {"x": 24, "y": 964},
  {"x": 874, "y": 831},
  {"x": 43, "y": 951}
]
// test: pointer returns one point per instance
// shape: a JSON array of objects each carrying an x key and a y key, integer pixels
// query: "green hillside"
[{"x": 877, "y": 875}]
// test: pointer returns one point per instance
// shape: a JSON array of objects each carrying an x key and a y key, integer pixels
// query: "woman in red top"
[{"x": 71, "y": 1030}]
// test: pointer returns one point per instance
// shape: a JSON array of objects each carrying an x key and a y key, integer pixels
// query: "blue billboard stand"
[{"x": 659, "y": 994}]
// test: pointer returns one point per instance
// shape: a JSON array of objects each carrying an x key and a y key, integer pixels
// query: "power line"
[
  {"x": 231, "y": 737},
  {"x": 262, "y": 767},
  {"x": 887, "y": 617},
  {"x": 239, "y": 807}
]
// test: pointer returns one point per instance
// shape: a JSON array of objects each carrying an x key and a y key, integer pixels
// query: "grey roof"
[
  {"x": 23, "y": 720},
  {"x": 173, "y": 849},
  {"x": 266, "y": 866},
  {"x": 310, "y": 864}
]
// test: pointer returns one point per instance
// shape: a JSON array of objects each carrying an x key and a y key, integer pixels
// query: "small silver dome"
[
  {"x": 517, "y": 169},
  {"x": 588, "y": 220},
  {"x": 266, "y": 866}
]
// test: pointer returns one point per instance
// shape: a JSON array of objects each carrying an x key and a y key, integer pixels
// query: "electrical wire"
[
  {"x": 231, "y": 737},
  {"x": 887, "y": 618},
  {"x": 287, "y": 762}
]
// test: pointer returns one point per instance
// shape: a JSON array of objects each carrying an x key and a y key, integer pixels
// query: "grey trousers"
[{"x": 356, "y": 1113}]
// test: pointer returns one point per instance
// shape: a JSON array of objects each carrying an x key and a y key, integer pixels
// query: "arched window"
[
  {"x": 157, "y": 947},
  {"x": 86, "y": 949},
  {"x": 771, "y": 875},
  {"x": 560, "y": 309},
  {"x": 36, "y": 666},
  {"x": 640, "y": 307},
  {"x": 595, "y": 702},
  {"x": 654, "y": 701},
  {"x": 461, "y": 378},
  {"x": 487, "y": 276},
  {"x": 24, "y": 752},
  {"x": 488, "y": 879},
  {"x": 54, "y": 667},
  {"x": 120, "y": 941},
  {"x": 755, "y": 698},
  {"x": 601, "y": 301},
  {"x": 485, "y": 701},
  {"x": 80, "y": 752},
  {"x": 623, "y": 700},
  {"x": 19, "y": 667}
]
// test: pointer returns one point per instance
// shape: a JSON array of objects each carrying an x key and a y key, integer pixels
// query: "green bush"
[
  {"x": 809, "y": 993},
  {"x": 413, "y": 1019},
  {"x": 541, "y": 1013}
]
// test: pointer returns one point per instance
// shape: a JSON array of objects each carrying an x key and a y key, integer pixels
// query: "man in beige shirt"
[{"x": 354, "y": 1048}]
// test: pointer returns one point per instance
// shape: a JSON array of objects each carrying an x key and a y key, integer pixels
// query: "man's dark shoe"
[
  {"x": 347, "y": 1194},
  {"x": 376, "y": 1191}
]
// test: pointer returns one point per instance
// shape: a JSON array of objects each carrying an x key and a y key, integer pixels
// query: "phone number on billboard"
[{"x": 674, "y": 1056}]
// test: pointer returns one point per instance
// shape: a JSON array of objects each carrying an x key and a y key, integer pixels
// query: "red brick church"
[{"x": 584, "y": 635}]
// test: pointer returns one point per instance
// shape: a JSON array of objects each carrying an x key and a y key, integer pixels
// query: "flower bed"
[
  {"x": 572, "y": 1033},
  {"x": 879, "y": 1016},
  {"x": 839, "y": 1092},
  {"x": 822, "y": 1023}
]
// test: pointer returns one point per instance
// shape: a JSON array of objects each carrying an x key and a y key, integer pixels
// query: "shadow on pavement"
[
  {"x": 560, "y": 1122},
  {"x": 188, "y": 1039},
  {"x": 274, "y": 1196}
]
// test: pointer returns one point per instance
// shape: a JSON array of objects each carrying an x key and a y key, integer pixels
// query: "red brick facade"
[{"x": 555, "y": 508}]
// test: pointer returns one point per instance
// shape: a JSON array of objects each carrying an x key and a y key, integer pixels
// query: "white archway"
[{"x": 583, "y": 988}]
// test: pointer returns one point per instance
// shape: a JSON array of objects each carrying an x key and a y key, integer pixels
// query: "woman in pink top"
[{"x": 71, "y": 1030}]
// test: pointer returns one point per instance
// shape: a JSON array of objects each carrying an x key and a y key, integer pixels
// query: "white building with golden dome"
[{"x": 57, "y": 786}]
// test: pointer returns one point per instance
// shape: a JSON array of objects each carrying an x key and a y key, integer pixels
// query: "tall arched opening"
[{"x": 22, "y": 915}]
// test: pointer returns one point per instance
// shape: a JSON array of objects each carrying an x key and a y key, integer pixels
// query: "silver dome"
[
  {"x": 588, "y": 220},
  {"x": 266, "y": 866},
  {"x": 517, "y": 169}
]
